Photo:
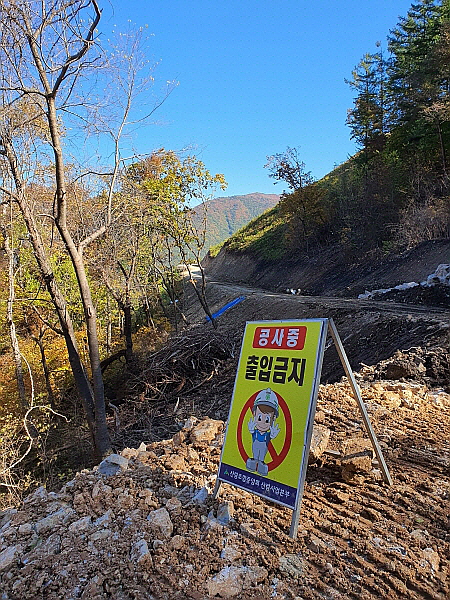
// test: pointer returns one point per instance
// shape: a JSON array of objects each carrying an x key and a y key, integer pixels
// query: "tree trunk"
[
  {"x": 126, "y": 308},
  {"x": 443, "y": 154},
  {"x": 108, "y": 328},
  {"x": 201, "y": 293},
  {"x": 81, "y": 381},
  {"x": 102, "y": 441},
  {"x": 48, "y": 385},
  {"x": 12, "y": 328},
  {"x": 79, "y": 373},
  {"x": 127, "y": 329},
  {"x": 56, "y": 53}
]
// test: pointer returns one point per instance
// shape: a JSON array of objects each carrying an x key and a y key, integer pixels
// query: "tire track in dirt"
[
  {"x": 363, "y": 555},
  {"x": 332, "y": 301}
]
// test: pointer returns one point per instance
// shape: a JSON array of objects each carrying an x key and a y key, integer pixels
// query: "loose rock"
[{"x": 160, "y": 523}]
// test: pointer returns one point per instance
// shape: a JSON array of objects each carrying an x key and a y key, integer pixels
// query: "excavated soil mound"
[
  {"x": 144, "y": 526},
  {"x": 435, "y": 295},
  {"x": 421, "y": 364}
]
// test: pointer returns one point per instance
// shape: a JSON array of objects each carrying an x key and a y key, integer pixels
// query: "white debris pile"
[{"x": 440, "y": 276}]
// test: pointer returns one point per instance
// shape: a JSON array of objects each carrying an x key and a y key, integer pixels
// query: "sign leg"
[
  {"x": 294, "y": 523},
  {"x": 296, "y": 514},
  {"x": 356, "y": 392},
  {"x": 216, "y": 488}
]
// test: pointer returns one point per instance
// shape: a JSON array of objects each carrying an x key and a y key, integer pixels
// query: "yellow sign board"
[{"x": 272, "y": 408}]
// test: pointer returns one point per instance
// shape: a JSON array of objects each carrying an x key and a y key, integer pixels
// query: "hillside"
[
  {"x": 226, "y": 215},
  {"x": 139, "y": 521},
  {"x": 327, "y": 271}
]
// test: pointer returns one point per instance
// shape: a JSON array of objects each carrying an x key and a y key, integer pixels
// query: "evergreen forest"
[{"x": 394, "y": 192}]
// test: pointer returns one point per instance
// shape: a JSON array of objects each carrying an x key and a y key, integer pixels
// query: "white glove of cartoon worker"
[
  {"x": 274, "y": 430},
  {"x": 251, "y": 426}
]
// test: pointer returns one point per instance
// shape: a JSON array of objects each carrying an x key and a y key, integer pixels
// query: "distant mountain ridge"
[{"x": 226, "y": 215}]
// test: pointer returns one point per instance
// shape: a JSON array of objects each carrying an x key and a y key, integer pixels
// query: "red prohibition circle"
[{"x": 277, "y": 459}]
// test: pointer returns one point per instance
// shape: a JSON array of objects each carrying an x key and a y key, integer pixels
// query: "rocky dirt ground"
[{"x": 143, "y": 525}]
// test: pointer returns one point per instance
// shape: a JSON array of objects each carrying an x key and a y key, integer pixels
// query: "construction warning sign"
[{"x": 272, "y": 408}]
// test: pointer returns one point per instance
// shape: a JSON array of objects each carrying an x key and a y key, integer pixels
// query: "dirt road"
[{"x": 370, "y": 330}]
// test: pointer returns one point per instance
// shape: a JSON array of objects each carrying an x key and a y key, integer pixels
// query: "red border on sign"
[{"x": 277, "y": 459}]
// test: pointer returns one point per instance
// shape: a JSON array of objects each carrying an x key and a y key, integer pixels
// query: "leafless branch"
[{"x": 29, "y": 435}]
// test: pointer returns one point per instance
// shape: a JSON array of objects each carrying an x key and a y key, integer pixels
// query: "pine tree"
[
  {"x": 368, "y": 118},
  {"x": 411, "y": 75}
]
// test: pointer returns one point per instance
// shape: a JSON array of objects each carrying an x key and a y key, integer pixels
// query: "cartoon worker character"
[{"x": 263, "y": 429}]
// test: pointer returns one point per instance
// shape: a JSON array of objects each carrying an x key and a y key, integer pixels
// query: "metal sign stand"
[{"x": 357, "y": 394}]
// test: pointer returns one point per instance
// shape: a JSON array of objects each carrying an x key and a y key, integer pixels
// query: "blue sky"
[{"x": 255, "y": 77}]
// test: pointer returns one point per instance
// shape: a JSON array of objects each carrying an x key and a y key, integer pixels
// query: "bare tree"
[
  {"x": 6, "y": 230},
  {"x": 47, "y": 53},
  {"x": 288, "y": 167},
  {"x": 42, "y": 51}
]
